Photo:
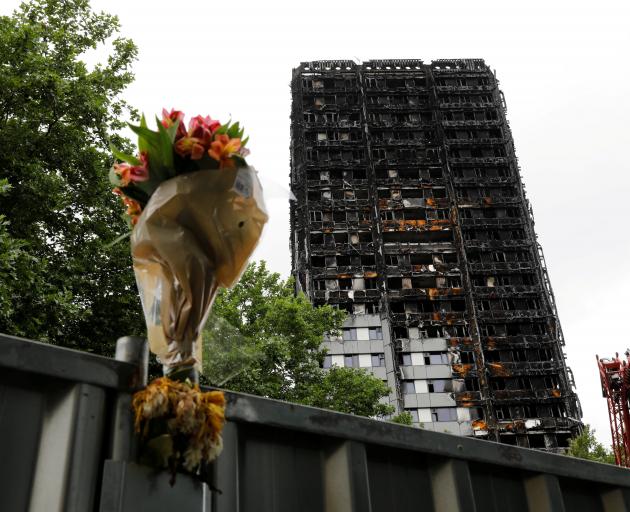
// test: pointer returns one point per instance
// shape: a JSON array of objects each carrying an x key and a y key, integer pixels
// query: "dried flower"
[{"x": 188, "y": 412}]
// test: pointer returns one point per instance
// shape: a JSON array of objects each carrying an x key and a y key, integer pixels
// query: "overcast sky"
[{"x": 562, "y": 65}]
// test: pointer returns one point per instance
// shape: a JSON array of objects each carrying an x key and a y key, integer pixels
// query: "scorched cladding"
[{"x": 411, "y": 216}]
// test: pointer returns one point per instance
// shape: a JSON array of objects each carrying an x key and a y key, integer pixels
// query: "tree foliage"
[
  {"x": 279, "y": 337},
  {"x": 57, "y": 117},
  {"x": 586, "y": 446},
  {"x": 404, "y": 418},
  {"x": 351, "y": 390}
]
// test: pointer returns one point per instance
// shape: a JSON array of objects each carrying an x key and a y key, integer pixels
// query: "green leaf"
[
  {"x": 172, "y": 130},
  {"x": 244, "y": 141},
  {"x": 125, "y": 157},
  {"x": 114, "y": 179},
  {"x": 233, "y": 130},
  {"x": 118, "y": 239},
  {"x": 166, "y": 149}
]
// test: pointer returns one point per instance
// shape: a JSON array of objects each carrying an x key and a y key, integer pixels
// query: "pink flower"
[
  {"x": 170, "y": 118},
  {"x": 132, "y": 173},
  {"x": 202, "y": 127}
]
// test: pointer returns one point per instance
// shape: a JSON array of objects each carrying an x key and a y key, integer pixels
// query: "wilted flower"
[
  {"x": 188, "y": 412},
  {"x": 222, "y": 149}
]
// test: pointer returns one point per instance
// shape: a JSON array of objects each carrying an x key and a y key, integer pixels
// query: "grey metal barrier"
[{"x": 66, "y": 444}]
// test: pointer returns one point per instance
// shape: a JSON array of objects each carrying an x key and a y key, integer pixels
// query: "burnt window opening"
[
  {"x": 345, "y": 284},
  {"x": 371, "y": 283},
  {"x": 467, "y": 357},
  {"x": 401, "y": 333},
  {"x": 433, "y": 331},
  {"x": 471, "y": 384}
]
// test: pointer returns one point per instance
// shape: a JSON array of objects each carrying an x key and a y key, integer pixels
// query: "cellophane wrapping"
[{"x": 194, "y": 236}]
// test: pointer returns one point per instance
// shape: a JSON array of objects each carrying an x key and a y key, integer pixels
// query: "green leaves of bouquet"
[{"x": 170, "y": 151}]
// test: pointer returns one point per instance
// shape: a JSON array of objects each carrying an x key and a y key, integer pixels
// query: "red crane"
[{"x": 615, "y": 377}]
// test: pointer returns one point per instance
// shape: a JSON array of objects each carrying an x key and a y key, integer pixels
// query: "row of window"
[
  {"x": 352, "y": 307},
  {"x": 413, "y": 173},
  {"x": 520, "y": 355},
  {"x": 412, "y": 192},
  {"x": 504, "y": 412},
  {"x": 356, "y": 283},
  {"x": 343, "y": 118},
  {"x": 498, "y": 234},
  {"x": 430, "y": 331},
  {"x": 428, "y": 306},
  {"x": 498, "y": 256},
  {"x": 338, "y": 194},
  {"x": 333, "y": 154},
  {"x": 526, "y": 383},
  {"x": 404, "y": 135},
  {"x": 485, "y": 99},
  {"x": 508, "y": 304},
  {"x": 409, "y": 100},
  {"x": 421, "y": 258},
  {"x": 433, "y": 414},
  {"x": 354, "y": 360},
  {"x": 488, "y": 133},
  {"x": 422, "y": 358},
  {"x": 329, "y": 83},
  {"x": 512, "y": 329},
  {"x": 343, "y": 261},
  {"x": 490, "y": 171},
  {"x": 397, "y": 194},
  {"x": 341, "y": 237},
  {"x": 334, "y": 135},
  {"x": 405, "y": 154},
  {"x": 402, "y": 214},
  {"x": 339, "y": 215},
  {"x": 401, "y": 117},
  {"x": 462, "y": 82},
  {"x": 362, "y": 333},
  {"x": 395, "y": 83},
  {"x": 471, "y": 115},
  {"x": 520, "y": 279},
  {"x": 490, "y": 213},
  {"x": 331, "y": 99},
  {"x": 478, "y": 152},
  {"x": 427, "y": 386},
  {"x": 464, "y": 192}
]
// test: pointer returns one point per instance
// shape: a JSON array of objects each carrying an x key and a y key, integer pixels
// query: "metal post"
[{"x": 135, "y": 350}]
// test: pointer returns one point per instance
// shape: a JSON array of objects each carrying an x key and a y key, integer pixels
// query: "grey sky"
[{"x": 562, "y": 67}]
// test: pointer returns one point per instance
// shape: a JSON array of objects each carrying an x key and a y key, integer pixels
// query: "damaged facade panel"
[{"x": 411, "y": 216}]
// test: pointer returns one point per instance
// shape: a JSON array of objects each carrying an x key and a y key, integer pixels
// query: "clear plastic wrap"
[{"x": 195, "y": 235}]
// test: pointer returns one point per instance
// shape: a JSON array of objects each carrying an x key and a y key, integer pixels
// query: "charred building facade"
[{"x": 411, "y": 215}]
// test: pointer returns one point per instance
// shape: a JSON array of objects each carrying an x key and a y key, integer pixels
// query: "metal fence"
[{"x": 66, "y": 445}]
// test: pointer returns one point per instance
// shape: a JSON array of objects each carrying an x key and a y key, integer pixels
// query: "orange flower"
[
  {"x": 132, "y": 173},
  {"x": 133, "y": 209},
  {"x": 222, "y": 149},
  {"x": 192, "y": 146}
]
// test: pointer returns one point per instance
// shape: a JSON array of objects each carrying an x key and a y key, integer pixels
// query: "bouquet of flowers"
[{"x": 197, "y": 212}]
